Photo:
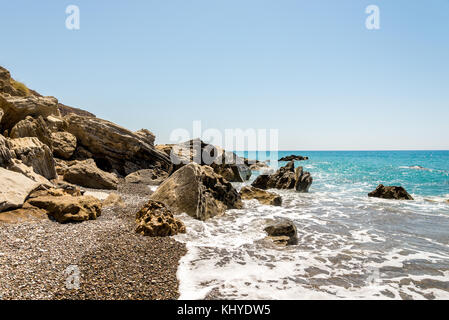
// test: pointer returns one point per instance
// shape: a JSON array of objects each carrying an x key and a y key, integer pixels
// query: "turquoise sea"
[{"x": 350, "y": 246}]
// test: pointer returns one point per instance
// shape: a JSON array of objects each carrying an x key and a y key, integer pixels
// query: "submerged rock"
[
  {"x": 392, "y": 192},
  {"x": 285, "y": 178},
  {"x": 282, "y": 232},
  {"x": 156, "y": 220},
  {"x": 264, "y": 197},
  {"x": 198, "y": 191},
  {"x": 294, "y": 158}
]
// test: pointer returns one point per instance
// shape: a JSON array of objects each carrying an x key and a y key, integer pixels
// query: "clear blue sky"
[{"x": 308, "y": 68}]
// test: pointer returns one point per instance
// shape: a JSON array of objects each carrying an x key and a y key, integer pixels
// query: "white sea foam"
[{"x": 350, "y": 246}]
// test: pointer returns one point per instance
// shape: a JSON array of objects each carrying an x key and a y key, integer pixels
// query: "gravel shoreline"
[{"x": 38, "y": 259}]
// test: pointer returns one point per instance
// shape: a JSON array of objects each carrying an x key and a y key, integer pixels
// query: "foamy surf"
[{"x": 350, "y": 247}]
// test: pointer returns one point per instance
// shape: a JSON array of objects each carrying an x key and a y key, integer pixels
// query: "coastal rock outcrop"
[
  {"x": 32, "y": 127},
  {"x": 285, "y": 178},
  {"x": 391, "y": 192},
  {"x": 114, "y": 147},
  {"x": 294, "y": 158},
  {"x": 5, "y": 154},
  {"x": 156, "y": 220},
  {"x": 198, "y": 191},
  {"x": 65, "y": 207},
  {"x": 147, "y": 176},
  {"x": 18, "y": 108},
  {"x": 282, "y": 232},
  {"x": 225, "y": 163},
  {"x": 87, "y": 174},
  {"x": 64, "y": 144},
  {"x": 35, "y": 154},
  {"x": 264, "y": 197},
  {"x": 14, "y": 189}
]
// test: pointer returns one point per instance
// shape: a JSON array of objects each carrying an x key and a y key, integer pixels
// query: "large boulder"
[
  {"x": 35, "y": 154},
  {"x": 87, "y": 174},
  {"x": 67, "y": 208},
  {"x": 224, "y": 163},
  {"x": 32, "y": 127},
  {"x": 198, "y": 191},
  {"x": 147, "y": 176},
  {"x": 286, "y": 177},
  {"x": 114, "y": 147},
  {"x": 14, "y": 189},
  {"x": 156, "y": 220},
  {"x": 19, "y": 167},
  {"x": 264, "y": 197},
  {"x": 392, "y": 192},
  {"x": 64, "y": 144},
  {"x": 282, "y": 232},
  {"x": 18, "y": 108}
]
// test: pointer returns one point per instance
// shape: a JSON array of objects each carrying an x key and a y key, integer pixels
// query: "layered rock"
[
  {"x": 147, "y": 176},
  {"x": 198, "y": 191},
  {"x": 5, "y": 154},
  {"x": 32, "y": 127},
  {"x": 156, "y": 220},
  {"x": 114, "y": 147},
  {"x": 65, "y": 207},
  {"x": 14, "y": 189},
  {"x": 64, "y": 144},
  {"x": 285, "y": 178},
  {"x": 19, "y": 167},
  {"x": 18, "y": 108},
  {"x": 264, "y": 197},
  {"x": 87, "y": 174},
  {"x": 35, "y": 154},
  {"x": 391, "y": 192},
  {"x": 282, "y": 232},
  {"x": 224, "y": 163}
]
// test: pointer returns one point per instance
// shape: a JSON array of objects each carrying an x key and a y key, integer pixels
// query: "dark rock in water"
[
  {"x": 294, "y": 158},
  {"x": 285, "y": 178},
  {"x": 283, "y": 232},
  {"x": 261, "y": 182},
  {"x": 303, "y": 180},
  {"x": 392, "y": 192}
]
